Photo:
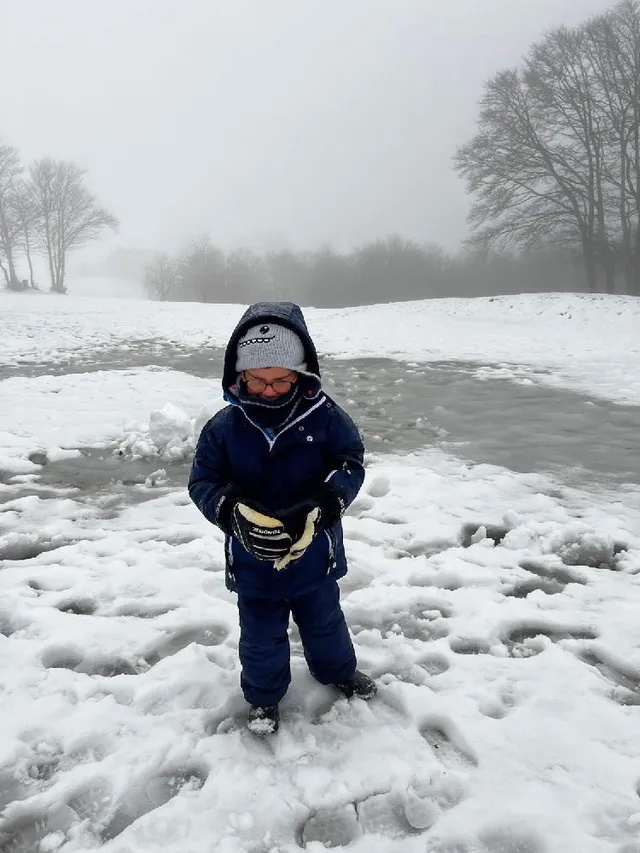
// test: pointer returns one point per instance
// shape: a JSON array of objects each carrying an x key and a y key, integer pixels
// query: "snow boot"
[
  {"x": 263, "y": 720},
  {"x": 360, "y": 686}
]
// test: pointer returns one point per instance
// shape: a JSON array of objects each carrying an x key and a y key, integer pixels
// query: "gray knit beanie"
[{"x": 270, "y": 345}]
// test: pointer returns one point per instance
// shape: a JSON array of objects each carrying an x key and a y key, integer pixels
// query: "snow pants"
[{"x": 264, "y": 643}]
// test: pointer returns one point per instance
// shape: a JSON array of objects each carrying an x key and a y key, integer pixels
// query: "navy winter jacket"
[{"x": 321, "y": 443}]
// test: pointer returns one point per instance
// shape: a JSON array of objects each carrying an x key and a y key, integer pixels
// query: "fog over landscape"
[{"x": 267, "y": 126}]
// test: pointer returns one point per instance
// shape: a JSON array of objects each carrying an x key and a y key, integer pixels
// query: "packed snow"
[{"x": 497, "y": 610}]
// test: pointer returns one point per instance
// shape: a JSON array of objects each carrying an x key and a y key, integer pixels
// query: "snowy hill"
[{"x": 591, "y": 342}]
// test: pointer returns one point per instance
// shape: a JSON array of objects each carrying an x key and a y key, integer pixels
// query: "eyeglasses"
[{"x": 280, "y": 386}]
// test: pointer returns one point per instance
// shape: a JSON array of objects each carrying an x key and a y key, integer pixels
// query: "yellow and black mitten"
[
  {"x": 262, "y": 535},
  {"x": 307, "y": 518},
  {"x": 309, "y": 531}
]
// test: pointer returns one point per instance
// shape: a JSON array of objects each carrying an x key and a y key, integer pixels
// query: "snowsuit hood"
[{"x": 287, "y": 314}]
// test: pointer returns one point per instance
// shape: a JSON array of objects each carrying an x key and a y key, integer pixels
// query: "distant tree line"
[
  {"x": 46, "y": 211},
  {"x": 389, "y": 269},
  {"x": 556, "y": 156},
  {"x": 554, "y": 175}
]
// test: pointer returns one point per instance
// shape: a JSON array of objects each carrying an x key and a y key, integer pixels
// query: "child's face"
[{"x": 269, "y": 382}]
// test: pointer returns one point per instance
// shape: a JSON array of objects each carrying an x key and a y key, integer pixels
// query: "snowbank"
[
  {"x": 588, "y": 342},
  {"x": 149, "y": 411}
]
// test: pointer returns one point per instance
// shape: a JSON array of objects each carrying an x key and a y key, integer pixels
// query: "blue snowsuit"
[{"x": 321, "y": 443}]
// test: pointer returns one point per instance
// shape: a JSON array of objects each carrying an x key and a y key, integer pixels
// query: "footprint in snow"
[
  {"x": 208, "y": 635},
  {"x": 78, "y": 606},
  {"x": 11, "y": 788},
  {"x": 394, "y": 815},
  {"x": 422, "y": 620},
  {"x": 493, "y": 841},
  {"x": 493, "y": 708},
  {"x": 512, "y": 840},
  {"x": 448, "y": 744},
  {"x": 26, "y": 547},
  {"x": 42, "y": 764},
  {"x": 71, "y": 657},
  {"x": 147, "y": 796},
  {"x": 141, "y": 610},
  {"x": 524, "y": 588},
  {"x": 383, "y": 815},
  {"x": 92, "y": 802},
  {"x": 528, "y": 639},
  {"x": 626, "y": 685},
  {"x": 469, "y": 645},
  {"x": 553, "y": 572},
  {"x": 7, "y": 627},
  {"x": 419, "y": 672},
  {"x": 32, "y": 831},
  {"x": 433, "y": 664},
  {"x": 331, "y": 827}
]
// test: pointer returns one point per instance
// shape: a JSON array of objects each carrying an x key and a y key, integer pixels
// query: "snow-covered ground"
[
  {"x": 575, "y": 340},
  {"x": 50, "y": 414},
  {"x": 498, "y": 611}
]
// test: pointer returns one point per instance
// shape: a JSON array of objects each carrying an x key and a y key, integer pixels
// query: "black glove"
[
  {"x": 305, "y": 519},
  {"x": 260, "y": 534},
  {"x": 327, "y": 499}
]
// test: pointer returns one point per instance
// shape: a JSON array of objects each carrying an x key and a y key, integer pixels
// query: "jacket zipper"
[{"x": 272, "y": 441}]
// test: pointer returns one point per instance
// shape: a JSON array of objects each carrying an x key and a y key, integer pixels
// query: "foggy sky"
[{"x": 263, "y": 122}]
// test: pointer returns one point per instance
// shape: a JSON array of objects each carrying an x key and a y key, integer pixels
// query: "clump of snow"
[
  {"x": 169, "y": 435},
  {"x": 579, "y": 545},
  {"x": 156, "y": 478}
]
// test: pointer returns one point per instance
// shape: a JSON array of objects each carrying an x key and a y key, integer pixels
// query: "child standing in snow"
[{"x": 275, "y": 470}]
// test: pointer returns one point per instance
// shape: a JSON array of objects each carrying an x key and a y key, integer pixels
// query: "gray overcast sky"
[{"x": 263, "y": 122}]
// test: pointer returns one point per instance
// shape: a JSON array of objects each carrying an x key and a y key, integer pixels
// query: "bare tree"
[
  {"x": 25, "y": 214},
  {"x": 522, "y": 176},
  {"x": 67, "y": 213},
  {"x": 382, "y": 263},
  {"x": 161, "y": 278},
  {"x": 201, "y": 272},
  {"x": 614, "y": 50},
  {"x": 245, "y": 277},
  {"x": 559, "y": 73},
  {"x": 287, "y": 274},
  {"x": 333, "y": 278},
  {"x": 10, "y": 170},
  {"x": 557, "y": 155}
]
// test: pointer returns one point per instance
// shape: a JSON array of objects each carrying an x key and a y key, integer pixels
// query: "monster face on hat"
[{"x": 270, "y": 345}]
